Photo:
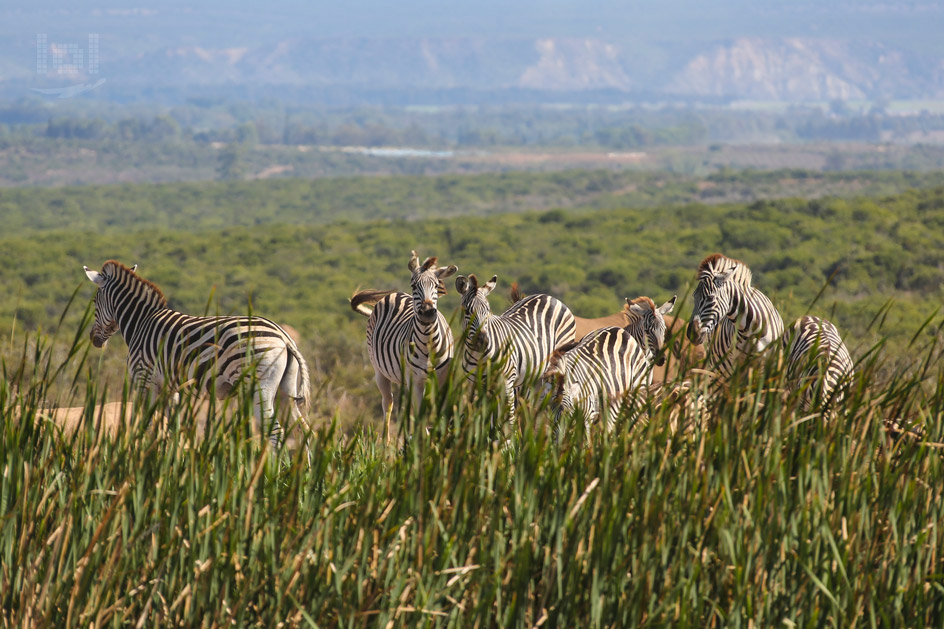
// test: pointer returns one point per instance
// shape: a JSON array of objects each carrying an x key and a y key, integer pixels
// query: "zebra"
[
  {"x": 405, "y": 331},
  {"x": 742, "y": 319},
  {"x": 522, "y": 338},
  {"x": 596, "y": 375},
  {"x": 646, "y": 324},
  {"x": 817, "y": 361},
  {"x": 176, "y": 351}
]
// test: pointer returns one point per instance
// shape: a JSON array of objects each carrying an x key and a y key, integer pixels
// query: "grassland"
[{"x": 741, "y": 511}]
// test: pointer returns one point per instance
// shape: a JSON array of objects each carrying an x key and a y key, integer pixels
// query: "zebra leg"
[
  {"x": 265, "y": 413},
  {"x": 510, "y": 394},
  {"x": 289, "y": 387},
  {"x": 387, "y": 397}
]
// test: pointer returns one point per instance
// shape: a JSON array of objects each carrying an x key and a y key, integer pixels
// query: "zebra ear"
[
  {"x": 95, "y": 276},
  {"x": 635, "y": 308},
  {"x": 430, "y": 263},
  {"x": 462, "y": 284},
  {"x": 667, "y": 307},
  {"x": 490, "y": 285},
  {"x": 445, "y": 272},
  {"x": 134, "y": 268},
  {"x": 414, "y": 261}
]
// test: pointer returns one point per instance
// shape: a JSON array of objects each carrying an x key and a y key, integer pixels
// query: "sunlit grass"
[{"x": 732, "y": 510}]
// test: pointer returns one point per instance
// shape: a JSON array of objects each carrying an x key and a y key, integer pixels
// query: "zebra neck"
[
  {"x": 131, "y": 317},
  {"x": 741, "y": 312},
  {"x": 636, "y": 330},
  {"x": 425, "y": 334},
  {"x": 755, "y": 318}
]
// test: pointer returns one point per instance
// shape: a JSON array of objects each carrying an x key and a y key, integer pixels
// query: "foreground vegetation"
[{"x": 744, "y": 512}]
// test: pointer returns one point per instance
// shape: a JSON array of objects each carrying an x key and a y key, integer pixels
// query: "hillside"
[
  {"x": 764, "y": 68},
  {"x": 466, "y": 52}
]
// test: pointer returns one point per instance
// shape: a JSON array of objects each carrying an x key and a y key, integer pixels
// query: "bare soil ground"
[{"x": 115, "y": 416}]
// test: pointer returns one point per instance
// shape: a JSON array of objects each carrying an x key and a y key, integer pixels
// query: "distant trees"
[
  {"x": 162, "y": 128},
  {"x": 69, "y": 128},
  {"x": 631, "y": 128},
  {"x": 231, "y": 164}
]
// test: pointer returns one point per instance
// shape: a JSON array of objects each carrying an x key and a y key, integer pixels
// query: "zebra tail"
[
  {"x": 305, "y": 386},
  {"x": 362, "y": 301}
]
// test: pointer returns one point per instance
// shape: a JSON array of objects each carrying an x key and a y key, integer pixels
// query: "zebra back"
[
  {"x": 522, "y": 337},
  {"x": 817, "y": 360},
  {"x": 597, "y": 373}
]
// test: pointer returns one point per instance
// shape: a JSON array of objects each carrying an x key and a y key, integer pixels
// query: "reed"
[{"x": 735, "y": 511}]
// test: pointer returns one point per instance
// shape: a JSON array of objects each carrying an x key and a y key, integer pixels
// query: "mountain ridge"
[{"x": 792, "y": 69}]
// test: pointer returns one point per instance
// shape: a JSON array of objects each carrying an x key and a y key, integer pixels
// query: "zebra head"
[
  {"x": 718, "y": 277},
  {"x": 563, "y": 390},
  {"x": 563, "y": 383},
  {"x": 475, "y": 306},
  {"x": 648, "y": 325},
  {"x": 106, "y": 317},
  {"x": 427, "y": 285}
]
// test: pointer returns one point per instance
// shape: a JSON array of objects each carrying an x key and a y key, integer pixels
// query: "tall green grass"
[{"x": 737, "y": 511}]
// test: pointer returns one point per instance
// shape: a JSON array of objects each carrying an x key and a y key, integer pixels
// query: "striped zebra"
[
  {"x": 522, "y": 338},
  {"x": 817, "y": 361},
  {"x": 176, "y": 351},
  {"x": 745, "y": 319},
  {"x": 596, "y": 375},
  {"x": 646, "y": 324},
  {"x": 407, "y": 331}
]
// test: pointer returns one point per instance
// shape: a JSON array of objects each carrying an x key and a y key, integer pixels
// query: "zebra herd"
[
  {"x": 597, "y": 371},
  {"x": 587, "y": 365}
]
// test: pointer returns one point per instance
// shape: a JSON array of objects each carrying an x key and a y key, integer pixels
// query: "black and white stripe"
[
  {"x": 647, "y": 326},
  {"x": 407, "y": 330},
  {"x": 744, "y": 318},
  {"x": 522, "y": 338},
  {"x": 597, "y": 375},
  {"x": 817, "y": 361},
  {"x": 169, "y": 349}
]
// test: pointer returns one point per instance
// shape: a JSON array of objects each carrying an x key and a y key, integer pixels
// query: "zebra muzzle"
[
  {"x": 97, "y": 341},
  {"x": 694, "y": 331},
  {"x": 426, "y": 310}
]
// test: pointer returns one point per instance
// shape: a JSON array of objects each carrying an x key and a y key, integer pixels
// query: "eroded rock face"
[{"x": 797, "y": 69}]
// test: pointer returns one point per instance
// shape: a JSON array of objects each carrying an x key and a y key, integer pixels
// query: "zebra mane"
[
  {"x": 557, "y": 361},
  {"x": 717, "y": 263},
  {"x": 639, "y": 301},
  {"x": 113, "y": 268}
]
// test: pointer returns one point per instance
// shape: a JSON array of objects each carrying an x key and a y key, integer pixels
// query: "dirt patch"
[
  {"x": 271, "y": 171},
  {"x": 113, "y": 416}
]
